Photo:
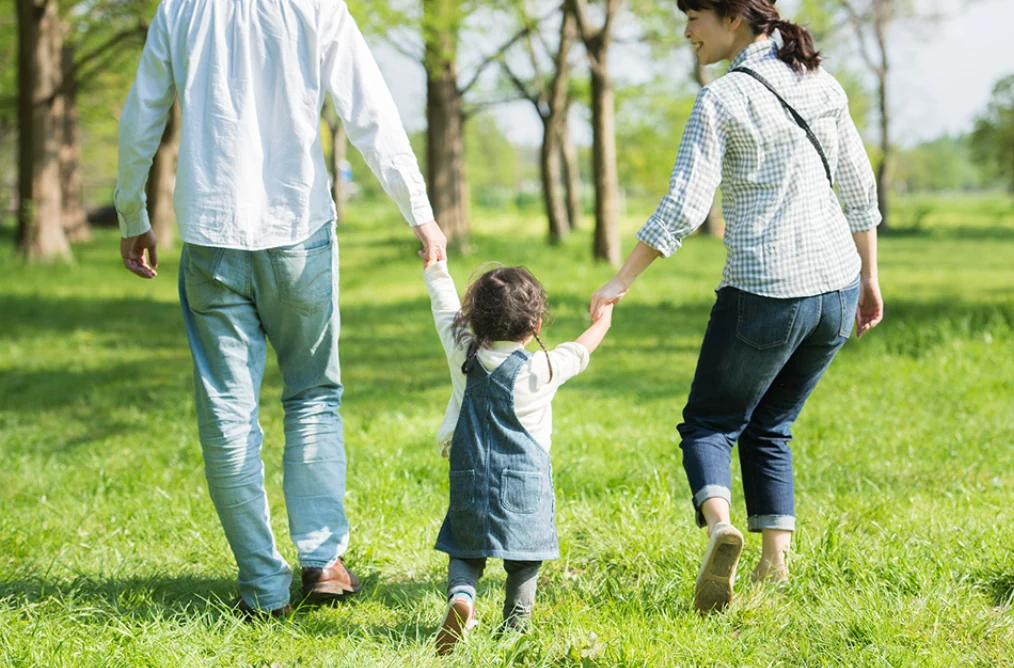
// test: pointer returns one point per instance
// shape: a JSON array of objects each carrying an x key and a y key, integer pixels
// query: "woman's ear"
[
  {"x": 538, "y": 325},
  {"x": 733, "y": 22}
]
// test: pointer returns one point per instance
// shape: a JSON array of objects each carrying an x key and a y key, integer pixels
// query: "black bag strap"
[{"x": 795, "y": 114}]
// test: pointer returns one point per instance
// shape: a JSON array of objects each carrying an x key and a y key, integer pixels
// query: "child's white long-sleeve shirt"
[{"x": 533, "y": 391}]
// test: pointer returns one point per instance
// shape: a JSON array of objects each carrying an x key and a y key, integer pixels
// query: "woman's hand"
[
  {"x": 606, "y": 296},
  {"x": 610, "y": 293},
  {"x": 871, "y": 306}
]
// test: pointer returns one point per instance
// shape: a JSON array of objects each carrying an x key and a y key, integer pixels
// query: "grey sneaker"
[{"x": 713, "y": 591}]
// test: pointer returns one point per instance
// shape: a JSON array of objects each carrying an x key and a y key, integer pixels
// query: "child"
[{"x": 496, "y": 432}]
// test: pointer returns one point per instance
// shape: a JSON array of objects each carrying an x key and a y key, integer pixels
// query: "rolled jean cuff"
[
  {"x": 710, "y": 492},
  {"x": 757, "y": 523}
]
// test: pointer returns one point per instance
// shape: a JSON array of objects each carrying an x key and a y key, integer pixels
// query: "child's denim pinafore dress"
[{"x": 502, "y": 503}]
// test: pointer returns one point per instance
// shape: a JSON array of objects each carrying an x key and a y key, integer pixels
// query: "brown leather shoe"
[
  {"x": 246, "y": 611},
  {"x": 324, "y": 585}
]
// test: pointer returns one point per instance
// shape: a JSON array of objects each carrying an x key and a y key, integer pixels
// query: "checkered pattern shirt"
[{"x": 786, "y": 232}]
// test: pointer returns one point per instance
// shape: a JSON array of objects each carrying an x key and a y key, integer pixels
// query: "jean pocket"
[
  {"x": 304, "y": 273},
  {"x": 849, "y": 305},
  {"x": 462, "y": 489},
  {"x": 522, "y": 491},
  {"x": 765, "y": 322},
  {"x": 199, "y": 265}
]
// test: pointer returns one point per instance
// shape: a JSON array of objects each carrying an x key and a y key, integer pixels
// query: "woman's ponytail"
[{"x": 797, "y": 49}]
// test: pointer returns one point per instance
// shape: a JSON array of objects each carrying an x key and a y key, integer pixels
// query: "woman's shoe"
[{"x": 713, "y": 591}]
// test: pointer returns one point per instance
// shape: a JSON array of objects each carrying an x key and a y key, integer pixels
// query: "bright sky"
[{"x": 942, "y": 73}]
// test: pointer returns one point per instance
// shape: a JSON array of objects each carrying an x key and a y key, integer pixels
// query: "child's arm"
[
  {"x": 570, "y": 359},
  {"x": 592, "y": 337},
  {"x": 445, "y": 305}
]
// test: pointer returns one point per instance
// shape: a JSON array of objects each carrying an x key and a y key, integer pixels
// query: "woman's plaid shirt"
[{"x": 786, "y": 232}]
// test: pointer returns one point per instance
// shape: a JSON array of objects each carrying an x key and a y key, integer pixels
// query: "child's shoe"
[
  {"x": 459, "y": 619},
  {"x": 517, "y": 622},
  {"x": 713, "y": 591}
]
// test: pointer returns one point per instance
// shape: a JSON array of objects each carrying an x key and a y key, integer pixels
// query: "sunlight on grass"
[{"x": 111, "y": 553}]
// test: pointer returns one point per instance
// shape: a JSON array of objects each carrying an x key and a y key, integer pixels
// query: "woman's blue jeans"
[{"x": 760, "y": 360}]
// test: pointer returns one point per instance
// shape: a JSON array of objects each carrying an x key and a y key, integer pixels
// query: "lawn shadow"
[
  {"x": 148, "y": 598},
  {"x": 964, "y": 232},
  {"x": 997, "y": 583},
  {"x": 402, "y": 599}
]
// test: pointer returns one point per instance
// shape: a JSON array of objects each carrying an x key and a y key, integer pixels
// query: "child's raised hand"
[
  {"x": 605, "y": 313},
  {"x": 428, "y": 258}
]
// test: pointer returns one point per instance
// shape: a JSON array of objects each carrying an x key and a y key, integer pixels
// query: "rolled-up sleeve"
[
  {"x": 367, "y": 110},
  {"x": 857, "y": 186},
  {"x": 141, "y": 126},
  {"x": 695, "y": 178}
]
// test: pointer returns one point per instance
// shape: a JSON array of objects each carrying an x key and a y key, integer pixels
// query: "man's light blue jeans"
[{"x": 234, "y": 301}]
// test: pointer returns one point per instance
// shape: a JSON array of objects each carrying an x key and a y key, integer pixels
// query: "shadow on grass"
[
  {"x": 123, "y": 322},
  {"x": 390, "y": 352},
  {"x": 147, "y": 598},
  {"x": 964, "y": 232},
  {"x": 997, "y": 583}
]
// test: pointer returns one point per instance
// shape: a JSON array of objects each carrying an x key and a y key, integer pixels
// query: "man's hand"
[
  {"x": 140, "y": 255},
  {"x": 434, "y": 242}
]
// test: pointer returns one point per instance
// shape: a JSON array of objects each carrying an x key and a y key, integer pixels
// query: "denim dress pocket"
[
  {"x": 522, "y": 491},
  {"x": 765, "y": 322},
  {"x": 199, "y": 265},
  {"x": 304, "y": 272}
]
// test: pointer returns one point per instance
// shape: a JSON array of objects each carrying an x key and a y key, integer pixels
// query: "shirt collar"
[
  {"x": 755, "y": 51},
  {"x": 505, "y": 346}
]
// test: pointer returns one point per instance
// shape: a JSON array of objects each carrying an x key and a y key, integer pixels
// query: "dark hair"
[
  {"x": 503, "y": 304},
  {"x": 797, "y": 49}
]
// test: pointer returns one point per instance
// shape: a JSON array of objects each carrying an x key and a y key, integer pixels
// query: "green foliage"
[
  {"x": 942, "y": 164},
  {"x": 993, "y": 136},
  {"x": 111, "y": 552},
  {"x": 649, "y": 128}
]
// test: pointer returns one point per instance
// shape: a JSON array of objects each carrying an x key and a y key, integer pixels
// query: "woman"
[{"x": 799, "y": 268}]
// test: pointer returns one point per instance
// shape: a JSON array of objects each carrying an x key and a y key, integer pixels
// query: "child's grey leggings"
[{"x": 522, "y": 578}]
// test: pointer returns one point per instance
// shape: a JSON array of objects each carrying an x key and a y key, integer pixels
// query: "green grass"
[{"x": 111, "y": 553}]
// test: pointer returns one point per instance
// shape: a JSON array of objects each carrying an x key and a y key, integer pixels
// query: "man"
[{"x": 259, "y": 262}]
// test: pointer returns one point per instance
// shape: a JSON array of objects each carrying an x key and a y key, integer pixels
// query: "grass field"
[{"x": 111, "y": 553}]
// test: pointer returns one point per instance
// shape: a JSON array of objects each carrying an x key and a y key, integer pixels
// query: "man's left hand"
[{"x": 140, "y": 254}]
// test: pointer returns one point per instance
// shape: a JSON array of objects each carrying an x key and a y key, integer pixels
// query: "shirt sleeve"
[
  {"x": 854, "y": 177},
  {"x": 695, "y": 178},
  {"x": 141, "y": 126},
  {"x": 567, "y": 359},
  {"x": 367, "y": 110},
  {"x": 445, "y": 305}
]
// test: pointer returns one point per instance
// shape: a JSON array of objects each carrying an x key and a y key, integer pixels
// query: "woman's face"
[{"x": 711, "y": 36}]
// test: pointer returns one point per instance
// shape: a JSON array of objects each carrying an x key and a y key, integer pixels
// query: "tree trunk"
[
  {"x": 75, "y": 220},
  {"x": 884, "y": 170},
  {"x": 607, "y": 238},
  {"x": 162, "y": 181},
  {"x": 445, "y": 142},
  {"x": 339, "y": 149},
  {"x": 549, "y": 161},
  {"x": 571, "y": 171},
  {"x": 553, "y": 128},
  {"x": 713, "y": 224},
  {"x": 40, "y": 227}
]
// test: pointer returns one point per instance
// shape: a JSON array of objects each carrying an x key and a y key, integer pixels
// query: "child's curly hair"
[{"x": 503, "y": 304}]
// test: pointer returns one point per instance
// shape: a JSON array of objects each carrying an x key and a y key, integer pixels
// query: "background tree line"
[{"x": 65, "y": 67}]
